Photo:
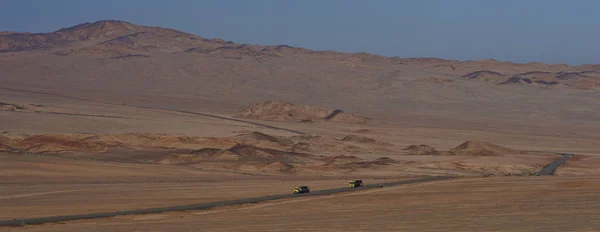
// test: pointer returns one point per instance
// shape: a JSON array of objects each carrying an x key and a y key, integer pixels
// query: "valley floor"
[
  {"x": 473, "y": 204},
  {"x": 158, "y": 162}
]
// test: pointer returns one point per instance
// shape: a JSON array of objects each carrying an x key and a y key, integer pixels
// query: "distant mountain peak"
[
  {"x": 115, "y": 38},
  {"x": 101, "y": 24}
]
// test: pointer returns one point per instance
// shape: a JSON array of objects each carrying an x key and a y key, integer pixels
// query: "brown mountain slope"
[
  {"x": 98, "y": 33},
  {"x": 123, "y": 37},
  {"x": 119, "y": 62}
]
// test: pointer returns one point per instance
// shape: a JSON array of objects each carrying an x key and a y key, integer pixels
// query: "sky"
[{"x": 550, "y": 31}]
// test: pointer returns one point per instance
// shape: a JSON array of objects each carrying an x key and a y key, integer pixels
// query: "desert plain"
[{"x": 110, "y": 116}]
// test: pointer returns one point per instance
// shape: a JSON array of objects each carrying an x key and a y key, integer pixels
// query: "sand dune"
[
  {"x": 280, "y": 110},
  {"x": 421, "y": 150},
  {"x": 468, "y": 148},
  {"x": 480, "y": 148}
]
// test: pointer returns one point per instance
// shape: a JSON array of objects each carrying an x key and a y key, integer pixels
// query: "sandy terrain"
[
  {"x": 491, "y": 204},
  {"x": 113, "y": 116},
  {"x": 253, "y": 152},
  {"x": 131, "y": 150},
  {"x": 58, "y": 186}
]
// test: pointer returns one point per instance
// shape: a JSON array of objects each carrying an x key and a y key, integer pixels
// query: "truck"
[
  {"x": 301, "y": 189},
  {"x": 355, "y": 183}
]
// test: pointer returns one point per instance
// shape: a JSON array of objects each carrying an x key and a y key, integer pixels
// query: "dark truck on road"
[{"x": 301, "y": 189}]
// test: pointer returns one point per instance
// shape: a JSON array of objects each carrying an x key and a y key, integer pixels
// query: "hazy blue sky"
[{"x": 553, "y": 31}]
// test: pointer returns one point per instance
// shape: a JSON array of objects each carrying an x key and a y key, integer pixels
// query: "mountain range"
[{"x": 120, "y": 61}]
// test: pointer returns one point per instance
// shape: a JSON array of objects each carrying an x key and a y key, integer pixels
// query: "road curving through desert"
[
  {"x": 206, "y": 206},
  {"x": 550, "y": 169}
]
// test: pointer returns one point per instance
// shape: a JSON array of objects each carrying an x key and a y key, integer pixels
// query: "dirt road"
[{"x": 206, "y": 206}]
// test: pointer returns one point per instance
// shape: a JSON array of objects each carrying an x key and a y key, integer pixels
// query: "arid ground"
[
  {"x": 494, "y": 204},
  {"x": 111, "y": 116}
]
